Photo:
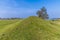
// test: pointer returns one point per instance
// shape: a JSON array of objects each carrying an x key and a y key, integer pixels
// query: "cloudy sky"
[{"x": 26, "y": 8}]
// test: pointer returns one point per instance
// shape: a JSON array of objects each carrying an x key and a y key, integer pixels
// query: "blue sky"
[{"x": 26, "y": 8}]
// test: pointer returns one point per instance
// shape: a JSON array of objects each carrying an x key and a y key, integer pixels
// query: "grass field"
[{"x": 32, "y": 28}]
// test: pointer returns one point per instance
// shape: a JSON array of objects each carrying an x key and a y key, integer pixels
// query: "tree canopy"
[{"x": 42, "y": 13}]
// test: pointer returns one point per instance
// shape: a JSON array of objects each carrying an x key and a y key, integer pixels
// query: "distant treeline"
[{"x": 9, "y": 18}]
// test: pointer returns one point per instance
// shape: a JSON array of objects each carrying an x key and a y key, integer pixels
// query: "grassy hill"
[{"x": 32, "y": 28}]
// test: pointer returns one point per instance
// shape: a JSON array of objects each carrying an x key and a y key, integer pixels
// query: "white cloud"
[{"x": 10, "y": 8}]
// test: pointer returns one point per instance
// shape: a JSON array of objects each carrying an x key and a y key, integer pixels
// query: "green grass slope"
[
  {"x": 3, "y": 23},
  {"x": 32, "y": 28}
]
